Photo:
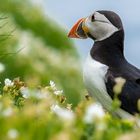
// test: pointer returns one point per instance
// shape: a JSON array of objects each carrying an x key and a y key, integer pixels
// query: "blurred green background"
[{"x": 36, "y": 49}]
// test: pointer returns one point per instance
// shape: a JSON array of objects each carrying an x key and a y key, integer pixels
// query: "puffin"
[{"x": 106, "y": 62}]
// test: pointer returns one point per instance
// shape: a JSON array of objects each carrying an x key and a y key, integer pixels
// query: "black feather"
[
  {"x": 130, "y": 92},
  {"x": 111, "y": 53}
]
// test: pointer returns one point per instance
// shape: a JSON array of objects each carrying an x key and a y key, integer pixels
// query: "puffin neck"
[{"x": 110, "y": 51}]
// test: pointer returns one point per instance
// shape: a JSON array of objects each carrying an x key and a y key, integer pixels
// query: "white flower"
[
  {"x": 39, "y": 95},
  {"x": 7, "y": 112},
  {"x": 55, "y": 108},
  {"x": 52, "y": 84},
  {"x": 63, "y": 113},
  {"x": 93, "y": 112},
  {"x": 2, "y": 67},
  {"x": 58, "y": 92},
  {"x": 25, "y": 92},
  {"x": 12, "y": 133},
  {"x": 8, "y": 82}
]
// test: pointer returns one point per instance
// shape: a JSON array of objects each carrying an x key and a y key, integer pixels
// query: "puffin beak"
[{"x": 79, "y": 30}]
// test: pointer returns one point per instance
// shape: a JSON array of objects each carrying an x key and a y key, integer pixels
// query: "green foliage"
[
  {"x": 44, "y": 113},
  {"x": 30, "y": 18},
  {"x": 36, "y": 49}
]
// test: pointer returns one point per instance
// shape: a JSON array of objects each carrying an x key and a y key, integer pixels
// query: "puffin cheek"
[{"x": 92, "y": 30}]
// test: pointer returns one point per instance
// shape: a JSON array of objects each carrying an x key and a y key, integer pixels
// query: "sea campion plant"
[{"x": 44, "y": 113}]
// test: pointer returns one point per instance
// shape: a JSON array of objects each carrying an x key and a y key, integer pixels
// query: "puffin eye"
[{"x": 93, "y": 18}]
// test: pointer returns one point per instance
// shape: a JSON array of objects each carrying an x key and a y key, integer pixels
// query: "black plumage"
[
  {"x": 107, "y": 62},
  {"x": 111, "y": 53}
]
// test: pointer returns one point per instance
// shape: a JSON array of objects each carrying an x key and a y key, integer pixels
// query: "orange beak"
[{"x": 78, "y": 30}]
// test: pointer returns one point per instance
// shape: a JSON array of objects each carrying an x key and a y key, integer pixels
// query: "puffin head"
[{"x": 98, "y": 26}]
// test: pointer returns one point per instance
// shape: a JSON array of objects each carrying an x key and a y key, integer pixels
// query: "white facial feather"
[{"x": 101, "y": 28}]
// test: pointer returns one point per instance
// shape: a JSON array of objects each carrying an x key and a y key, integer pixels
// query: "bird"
[{"x": 106, "y": 62}]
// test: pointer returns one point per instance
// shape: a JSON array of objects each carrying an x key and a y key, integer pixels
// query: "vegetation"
[
  {"x": 44, "y": 113},
  {"x": 38, "y": 49},
  {"x": 34, "y": 52}
]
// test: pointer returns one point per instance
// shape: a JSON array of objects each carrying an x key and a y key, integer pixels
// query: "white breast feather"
[{"x": 94, "y": 79}]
